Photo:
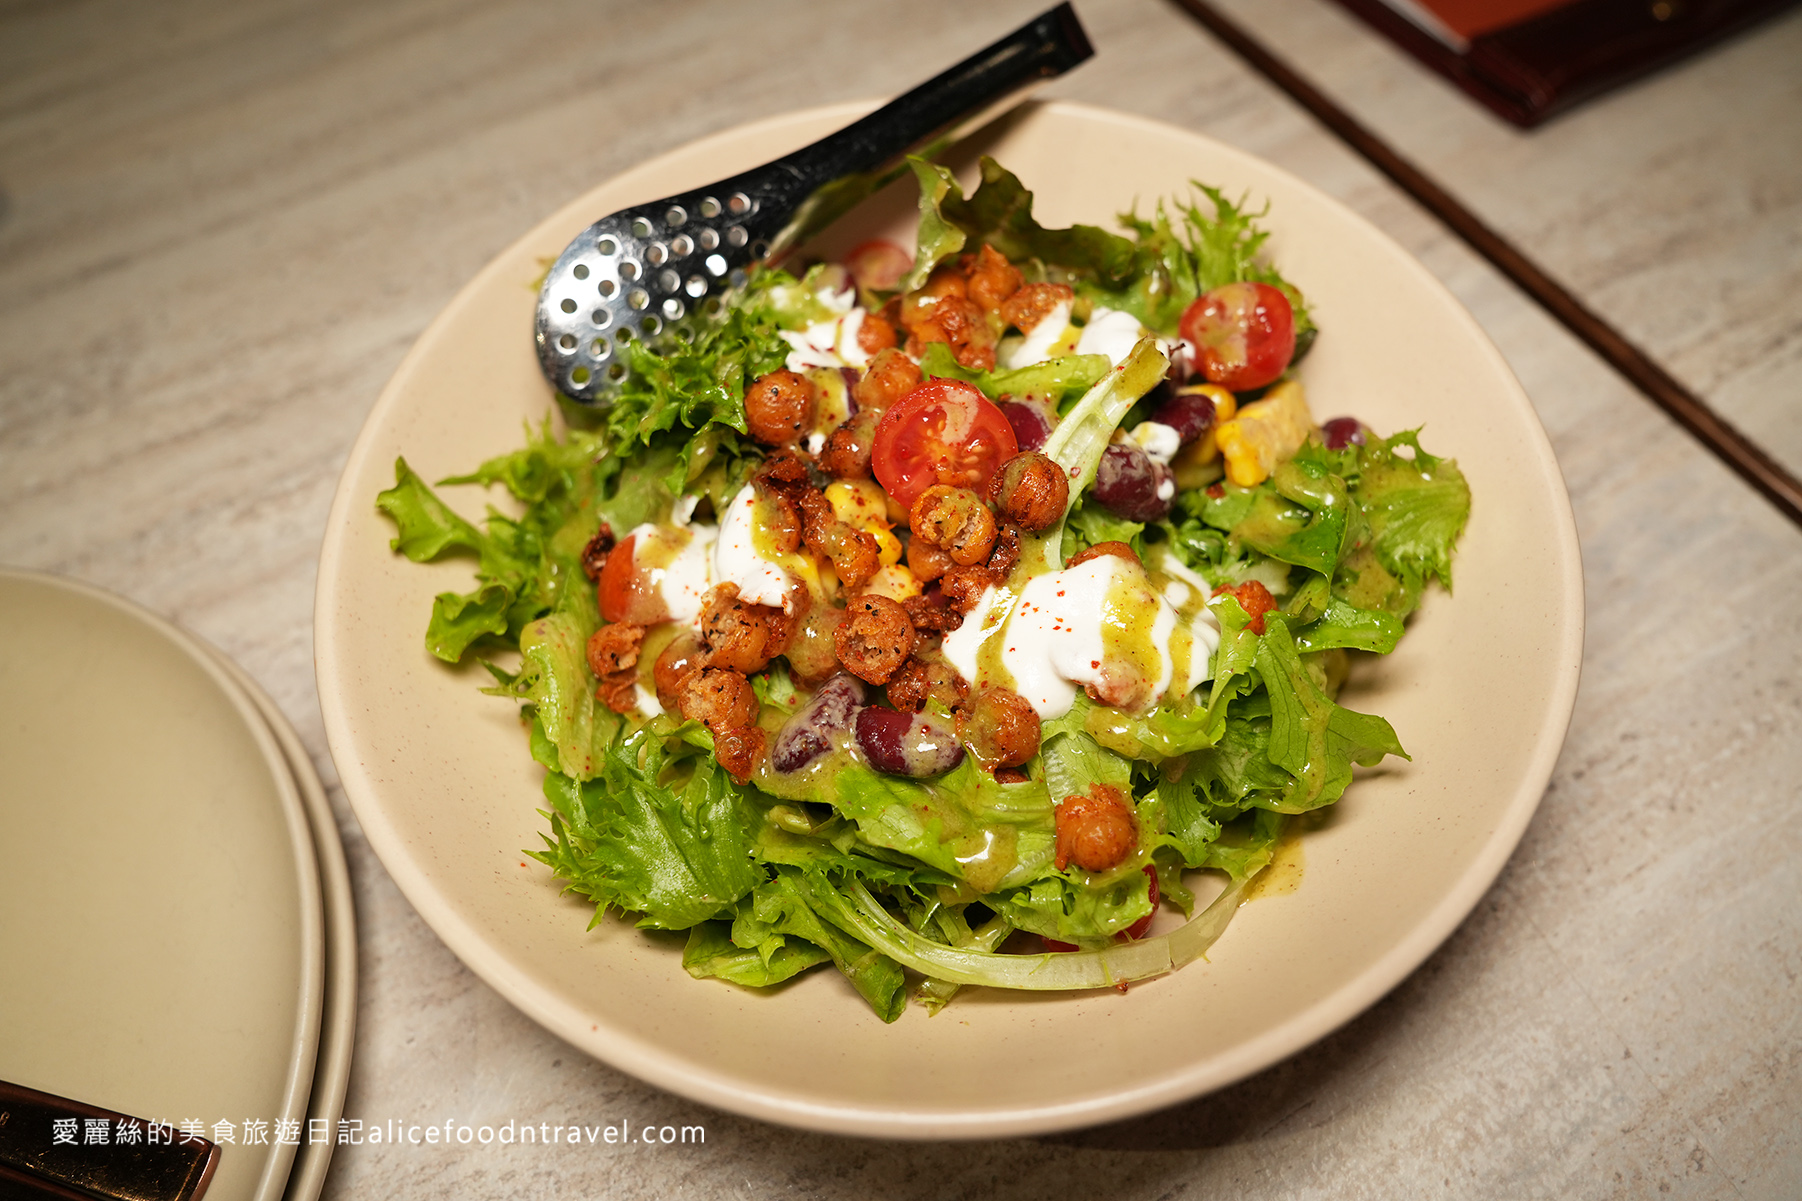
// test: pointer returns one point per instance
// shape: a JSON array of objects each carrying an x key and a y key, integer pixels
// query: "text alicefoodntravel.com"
[{"x": 357, "y": 1132}]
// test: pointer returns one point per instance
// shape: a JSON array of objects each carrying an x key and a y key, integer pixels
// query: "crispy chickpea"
[
  {"x": 812, "y": 655},
  {"x": 778, "y": 515},
  {"x": 1096, "y": 831},
  {"x": 619, "y": 691},
  {"x": 717, "y": 697},
  {"x": 1033, "y": 303},
  {"x": 945, "y": 283},
  {"x": 854, "y": 555},
  {"x": 927, "y": 561},
  {"x": 960, "y": 324},
  {"x": 779, "y": 407},
  {"x": 992, "y": 279},
  {"x": 738, "y": 748},
  {"x": 956, "y": 521},
  {"x": 846, "y": 455},
  {"x": 930, "y": 614},
  {"x": 890, "y": 376},
  {"x": 1006, "y": 553},
  {"x": 782, "y": 470},
  {"x": 614, "y": 648},
  {"x": 679, "y": 660},
  {"x": 594, "y": 555},
  {"x": 1255, "y": 599},
  {"x": 964, "y": 586},
  {"x": 875, "y": 334},
  {"x": 736, "y": 634},
  {"x": 1031, "y": 491},
  {"x": 874, "y": 639},
  {"x": 1000, "y": 727},
  {"x": 919, "y": 680},
  {"x": 1118, "y": 549}
]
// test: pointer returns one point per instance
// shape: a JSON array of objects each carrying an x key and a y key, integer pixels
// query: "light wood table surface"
[{"x": 223, "y": 224}]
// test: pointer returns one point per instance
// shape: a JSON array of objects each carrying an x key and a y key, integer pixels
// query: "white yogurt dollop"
[
  {"x": 1055, "y": 636},
  {"x": 676, "y": 563},
  {"x": 736, "y": 559}
]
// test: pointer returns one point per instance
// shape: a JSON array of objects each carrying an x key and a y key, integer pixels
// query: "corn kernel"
[
  {"x": 1264, "y": 433},
  {"x": 858, "y": 502},
  {"x": 888, "y": 547},
  {"x": 893, "y": 581}
]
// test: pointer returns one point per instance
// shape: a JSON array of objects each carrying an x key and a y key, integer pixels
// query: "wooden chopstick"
[{"x": 1732, "y": 447}]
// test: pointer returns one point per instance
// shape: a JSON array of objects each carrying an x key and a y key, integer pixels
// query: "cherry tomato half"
[
  {"x": 1242, "y": 335},
  {"x": 625, "y": 592},
  {"x": 942, "y": 432},
  {"x": 878, "y": 265}
]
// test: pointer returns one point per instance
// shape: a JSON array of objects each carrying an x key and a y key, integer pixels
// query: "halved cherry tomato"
[
  {"x": 878, "y": 265},
  {"x": 1243, "y": 335},
  {"x": 942, "y": 432},
  {"x": 626, "y": 593}
]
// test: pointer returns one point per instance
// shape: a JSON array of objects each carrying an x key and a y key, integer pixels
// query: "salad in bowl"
[{"x": 946, "y": 615}]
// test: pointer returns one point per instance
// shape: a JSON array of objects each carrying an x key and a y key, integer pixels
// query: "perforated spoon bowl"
[{"x": 638, "y": 272}]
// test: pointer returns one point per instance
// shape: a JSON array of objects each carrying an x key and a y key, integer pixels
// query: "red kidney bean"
[
  {"x": 1032, "y": 421},
  {"x": 1341, "y": 432},
  {"x": 907, "y": 744},
  {"x": 808, "y": 734},
  {"x": 1129, "y": 482},
  {"x": 1190, "y": 414}
]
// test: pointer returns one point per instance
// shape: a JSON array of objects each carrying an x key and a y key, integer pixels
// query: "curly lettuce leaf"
[
  {"x": 661, "y": 834},
  {"x": 999, "y": 212}
]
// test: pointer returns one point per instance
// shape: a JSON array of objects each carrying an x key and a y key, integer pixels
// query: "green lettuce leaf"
[{"x": 666, "y": 836}]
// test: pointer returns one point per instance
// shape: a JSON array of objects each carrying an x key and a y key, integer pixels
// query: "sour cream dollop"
[
  {"x": 738, "y": 560},
  {"x": 1101, "y": 624}
]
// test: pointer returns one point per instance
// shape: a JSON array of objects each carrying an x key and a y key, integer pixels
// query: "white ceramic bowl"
[{"x": 1480, "y": 693}]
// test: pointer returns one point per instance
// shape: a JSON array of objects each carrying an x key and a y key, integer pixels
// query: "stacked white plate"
[{"x": 176, "y": 921}]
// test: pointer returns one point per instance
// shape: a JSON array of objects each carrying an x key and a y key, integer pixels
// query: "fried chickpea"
[
  {"x": 679, "y": 660},
  {"x": 992, "y": 279},
  {"x": 874, "y": 639},
  {"x": 1000, "y": 727},
  {"x": 1096, "y": 830},
  {"x": 927, "y": 561},
  {"x": 614, "y": 648},
  {"x": 890, "y": 376},
  {"x": 738, "y": 748},
  {"x": 956, "y": 521},
  {"x": 1118, "y": 549},
  {"x": 811, "y": 654},
  {"x": 736, "y": 634},
  {"x": 1031, "y": 491},
  {"x": 930, "y": 614},
  {"x": 778, "y": 515},
  {"x": 854, "y": 555},
  {"x": 919, "y": 680},
  {"x": 619, "y": 691},
  {"x": 960, "y": 324},
  {"x": 1033, "y": 303},
  {"x": 963, "y": 586},
  {"x": 1255, "y": 599},
  {"x": 846, "y": 455},
  {"x": 779, "y": 407},
  {"x": 594, "y": 554},
  {"x": 875, "y": 334},
  {"x": 714, "y": 697},
  {"x": 1006, "y": 553}
]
